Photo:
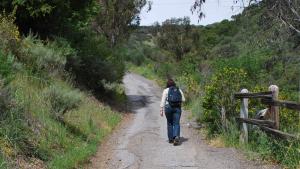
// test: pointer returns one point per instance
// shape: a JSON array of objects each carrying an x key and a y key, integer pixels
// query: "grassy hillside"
[
  {"x": 211, "y": 63},
  {"x": 45, "y": 121}
]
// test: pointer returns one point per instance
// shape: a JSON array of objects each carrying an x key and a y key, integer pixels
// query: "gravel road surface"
[{"x": 141, "y": 140}]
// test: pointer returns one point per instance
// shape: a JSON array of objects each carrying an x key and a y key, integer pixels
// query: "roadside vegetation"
[
  {"x": 56, "y": 65},
  {"x": 211, "y": 63},
  {"x": 45, "y": 120}
]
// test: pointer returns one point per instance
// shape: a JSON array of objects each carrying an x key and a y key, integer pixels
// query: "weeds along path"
[{"x": 141, "y": 141}]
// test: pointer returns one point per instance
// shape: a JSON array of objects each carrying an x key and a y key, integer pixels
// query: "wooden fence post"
[
  {"x": 244, "y": 114},
  {"x": 275, "y": 109},
  {"x": 223, "y": 118}
]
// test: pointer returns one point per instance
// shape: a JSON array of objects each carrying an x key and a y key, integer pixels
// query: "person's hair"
[{"x": 170, "y": 83}]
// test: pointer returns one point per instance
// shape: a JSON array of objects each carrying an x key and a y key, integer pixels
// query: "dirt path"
[{"x": 141, "y": 141}]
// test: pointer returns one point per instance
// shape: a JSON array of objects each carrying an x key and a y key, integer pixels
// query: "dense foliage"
[
  {"x": 286, "y": 12},
  {"x": 219, "y": 97},
  {"x": 174, "y": 35},
  {"x": 47, "y": 49},
  {"x": 94, "y": 61},
  {"x": 117, "y": 17},
  {"x": 93, "y": 30},
  {"x": 51, "y": 17}
]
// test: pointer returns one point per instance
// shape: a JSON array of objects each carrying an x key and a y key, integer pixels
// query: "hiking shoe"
[
  {"x": 176, "y": 141},
  {"x": 171, "y": 141}
]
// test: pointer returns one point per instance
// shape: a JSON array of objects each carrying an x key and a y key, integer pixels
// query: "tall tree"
[
  {"x": 174, "y": 35},
  {"x": 286, "y": 11},
  {"x": 117, "y": 17}
]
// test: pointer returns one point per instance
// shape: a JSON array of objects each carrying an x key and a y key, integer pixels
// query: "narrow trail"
[{"x": 141, "y": 141}]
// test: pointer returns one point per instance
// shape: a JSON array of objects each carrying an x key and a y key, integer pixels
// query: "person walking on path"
[{"x": 170, "y": 105}]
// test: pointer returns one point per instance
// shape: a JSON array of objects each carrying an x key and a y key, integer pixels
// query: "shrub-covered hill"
[{"x": 45, "y": 121}]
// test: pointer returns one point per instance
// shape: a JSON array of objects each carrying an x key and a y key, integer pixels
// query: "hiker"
[{"x": 172, "y": 98}]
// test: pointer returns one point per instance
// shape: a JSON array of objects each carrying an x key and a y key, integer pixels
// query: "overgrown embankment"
[
  {"x": 57, "y": 59},
  {"x": 45, "y": 121}
]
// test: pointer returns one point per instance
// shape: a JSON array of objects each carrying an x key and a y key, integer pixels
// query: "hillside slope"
[{"x": 45, "y": 121}]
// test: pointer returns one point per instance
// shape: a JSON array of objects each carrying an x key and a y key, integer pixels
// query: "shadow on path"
[
  {"x": 136, "y": 102},
  {"x": 182, "y": 140}
]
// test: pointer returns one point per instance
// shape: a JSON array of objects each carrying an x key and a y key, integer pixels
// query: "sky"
[{"x": 215, "y": 11}]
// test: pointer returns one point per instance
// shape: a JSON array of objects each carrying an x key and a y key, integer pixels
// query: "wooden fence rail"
[
  {"x": 285, "y": 104},
  {"x": 271, "y": 125},
  {"x": 253, "y": 95}
]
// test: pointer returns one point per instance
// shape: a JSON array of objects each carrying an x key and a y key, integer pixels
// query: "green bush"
[
  {"x": 289, "y": 119},
  {"x": 189, "y": 84},
  {"x": 6, "y": 101},
  {"x": 196, "y": 107},
  {"x": 260, "y": 143},
  {"x": 253, "y": 64},
  {"x": 9, "y": 34},
  {"x": 6, "y": 67},
  {"x": 270, "y": 148},
  {"x": 226, "y": 51},
  {"x": 47, "y": 57},
  {"x": 2, "y": 162},
  {"x": 51, "y": 17},
  {"x": 95, "y": 61},
  {"x": 165, "y": 70},
  {"x": 62, "y": 99},
  {"x": 14, "y": 132},
  {"x": 287, "y": 152},
  {"x": 134, "y": 52},
  {"x": 219, "y": 94},
  {"x": 232, "y": 134},
  {"x": 6, "y": 75}
]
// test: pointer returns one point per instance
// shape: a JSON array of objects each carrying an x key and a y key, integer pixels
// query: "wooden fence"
[{"x": 267, "y": 119}]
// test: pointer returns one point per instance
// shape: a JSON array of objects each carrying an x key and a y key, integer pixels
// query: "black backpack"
[{"x": 174, "y": 97}]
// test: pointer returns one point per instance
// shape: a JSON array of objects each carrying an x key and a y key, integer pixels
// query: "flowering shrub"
[
  {"x": 289, "y": 119},
  {"x": 219, "y": 94},
  {"x": 9, "y": 33}
]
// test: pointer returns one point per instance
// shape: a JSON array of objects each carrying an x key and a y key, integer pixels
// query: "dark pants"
[{"x": 173, "y": 119}]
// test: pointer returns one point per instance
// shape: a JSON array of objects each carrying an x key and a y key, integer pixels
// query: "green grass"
[
  {"x": 263, "y": 147},
  {"x": 77, "y": 155},
  {"x": 2, "y": 162},
  {"x": 145, "y": 70},
  {"x": 195, "y": 106},
  {"x": 66, "y": 144}
]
